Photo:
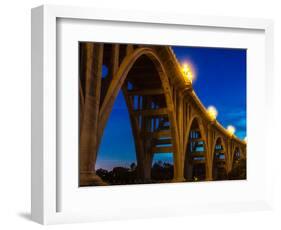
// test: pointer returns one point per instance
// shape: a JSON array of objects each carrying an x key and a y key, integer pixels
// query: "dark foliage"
[
  {"x": 238, "y": 171},
  {"x": 160, "y": 172},
  {"x": 163, "y": 172}
]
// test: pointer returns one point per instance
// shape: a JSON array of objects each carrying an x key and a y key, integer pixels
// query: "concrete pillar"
[
  {"x": 144, "y": 164},
  {"x": 147, "y": 163},
  {"x": 179, "y": 154},
  {"x": 178, "y": 170},
  {"x": 209, "y": 170},
  {"x": 209, "y": 153},
  {"x": 88, "y": 143},
  {"x": 228, "y": 153}
]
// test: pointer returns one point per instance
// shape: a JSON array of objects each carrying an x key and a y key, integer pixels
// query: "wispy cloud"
[{"x": 237, "y": 118}]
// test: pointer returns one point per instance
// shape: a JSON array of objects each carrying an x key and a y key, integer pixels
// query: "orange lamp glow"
[
  {"x": 231, "y": 129},
  {"x": 212, "y": 112}
]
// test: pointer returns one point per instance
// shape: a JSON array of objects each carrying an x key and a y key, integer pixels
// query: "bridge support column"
[
  {"x": 178, "y": 168},
  {"x": 89, "y": 121},
  {"x": 144, "y": 167},
  {"x": 178, "y": 144},
  {"x": 209, "y": 155},
  {"x": 228, "y": 162},
  {"x": 178, "y": 173}
]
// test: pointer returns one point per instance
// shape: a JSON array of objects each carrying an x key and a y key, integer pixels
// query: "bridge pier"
[
  {"x": 209, "y": 171},
  {"x": 178, "y": 172},
  {"x": 228, "y": 163},
  {"x": 178, "y": 155},
  {"x": 144, "y": 167},
  {"x": 89, "y": 125}
]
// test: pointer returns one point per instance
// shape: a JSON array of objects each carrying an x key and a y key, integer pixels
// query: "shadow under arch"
[
  {"x": 195, "y": 151},
  {"x": 145, "y": 85},
  {"x": 219, "y": 158}
]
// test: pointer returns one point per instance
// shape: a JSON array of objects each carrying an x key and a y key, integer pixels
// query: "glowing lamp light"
[
  {"x": 187, "y": 72},
  {"x": 230, "y": 129},
  {"x": 212, "y": 112}
]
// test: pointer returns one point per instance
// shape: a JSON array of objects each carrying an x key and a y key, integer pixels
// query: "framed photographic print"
[{"x": 139, "y": 115}]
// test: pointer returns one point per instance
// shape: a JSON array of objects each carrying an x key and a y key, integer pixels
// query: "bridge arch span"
[
  {"x": 219, "y": 139},
  {"x": 196, "y": 150},
  {"x": 220, "y": 159},
  {"x": 199, "y": 120},
  {"x": 151, "y": 112}
]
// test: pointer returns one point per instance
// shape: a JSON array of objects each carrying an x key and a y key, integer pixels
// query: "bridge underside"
[{"x": 161, "y": 107}]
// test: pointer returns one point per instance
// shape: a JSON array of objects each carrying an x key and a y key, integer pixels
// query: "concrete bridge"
[{"x": 165, "y": 113}]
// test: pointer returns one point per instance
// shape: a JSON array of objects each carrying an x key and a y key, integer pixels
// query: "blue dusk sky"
[{"x": 220, "y": 80}]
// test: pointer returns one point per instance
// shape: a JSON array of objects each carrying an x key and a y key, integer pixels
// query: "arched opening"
[
  {"x": 148, "y": 114},
  {"x": 195, "y": 156},
  {"x": 219, "y": 161},
  {"x": 117, "y": 156},
  {"x": 148, "y": 106}
]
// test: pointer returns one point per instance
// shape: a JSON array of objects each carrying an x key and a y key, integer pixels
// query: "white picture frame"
[{"x": 46, "y": 195}]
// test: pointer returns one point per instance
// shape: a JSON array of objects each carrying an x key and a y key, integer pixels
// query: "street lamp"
[
  {"x": 230, "y": 129},
  {"x": 212, "y": 112}
]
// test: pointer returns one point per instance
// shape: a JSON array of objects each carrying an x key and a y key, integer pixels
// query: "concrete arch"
[
  {"x": 201, "y": 127},
  {"x": 123, "y": 71},
  {"x": 220, "y": 139},
  {"x": 116, "y": 85},
  {"x": 188, "y": 167}
]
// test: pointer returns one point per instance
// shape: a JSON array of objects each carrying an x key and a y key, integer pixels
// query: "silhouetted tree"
[
  {"x": 103, "y": 174},
  {"x": 162, "y": 171},
  {"x": 133, "y": 166}
]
